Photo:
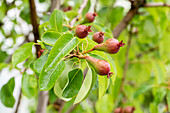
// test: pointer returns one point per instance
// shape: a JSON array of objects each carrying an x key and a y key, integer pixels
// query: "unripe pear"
[
  {"x": 129, "y": 109},
  {"x": 118, "y": 110},
  {"x": 111, "y": 46},
  {"x": 101, "y": 67},
  {"x": 82, "y": 31},
  {"x": 98, "y": 37},
  {"x": 89, "y": 17}
]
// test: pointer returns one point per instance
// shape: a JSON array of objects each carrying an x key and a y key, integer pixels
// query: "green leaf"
[
  {"x": 3, "y": 65},
  {"x": 153, "y": 108},
  {"x": 39, "y": 63},
  {"x": 50, "y": 37},
  {"x": 56, "y": 20},
  {"x": 88, "y": 83},
  {"x": 86, "y": 9},
  {"x": 168, "y": 100},
  {"x": 112, "y": 67},
  {"x": 62, "y": 47},
  {"x": 103, "y": 85},
  {"x": 29, "y": 85},
  {"x": 75, "y": 80},
  {"x": 22, "y": 53},
  {"x": 6, "y": 95},
  {"x": 142, "y": 89},
  {"x": 3, "y": 55},
  {"x": 149, "y": 28},
  {"x": 48, "y": 78},
  {"x": 159, "y": 70},
  {"x": 62, "y": 81},
  {"x": 105, "y": 104}
]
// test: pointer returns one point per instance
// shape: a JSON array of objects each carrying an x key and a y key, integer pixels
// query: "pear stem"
[{"x": 88, "y": 51}]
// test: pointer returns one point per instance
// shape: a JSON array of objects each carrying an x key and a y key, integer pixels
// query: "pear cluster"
[{"x": 110, "y": 46}]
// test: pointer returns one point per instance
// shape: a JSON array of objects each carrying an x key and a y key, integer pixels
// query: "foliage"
[{"x": 62, "y": 69}]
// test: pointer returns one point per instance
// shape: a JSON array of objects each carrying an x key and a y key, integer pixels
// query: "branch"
[
  {"x": 79, "y": 12},
  {"x": 19, "y": 100},
  {"x": 34, "y": 23},
  {"x": 125, "y": 21},
  {"x": 156, "y": 5},
  {"x": 55, "y": 4},
  {"x": 43, "y": 95},
  {"x": 122, "y": 25},
  {"x": 42, "y": 102}
]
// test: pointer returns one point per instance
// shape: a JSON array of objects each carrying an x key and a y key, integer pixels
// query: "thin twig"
[
  {"x": 146, "y": 52},
  {"x": 126, "y": 62},
  {"x": 19, "y": 100},
  {"x": 158, "y": 4},
  {"x": 79, "y": 12}
]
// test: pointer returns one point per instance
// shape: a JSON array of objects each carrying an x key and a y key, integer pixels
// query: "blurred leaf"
[
  {"x": 116, "y": 15},
  {"x": 2, "y": 10},
  {"x": 103, "y": 85},
  {"x": 25, "y": 13},
  {"x": 50, "y": 37},
  {"x": 75, "y": 81},
  {"x": 6, "y": 93},
  {"x": 29, "y": 85},
  {"x": 159, "y": 95},
  {"x": 153, "y": 108},
  {"x": 62, "y": 47},
  {"x": 3, "y": 65},
  {"x": 52, "y": 96},
  {"x": 168, "y": 100},
  {"x": 56, "y": 20},
  {"x": 159, "y": 70},
  {"x": 39, "y": 63},
  {"x": 142, "y": 89},
  {"x": 41, "y": 1},
  {"x": 105, "y": 104},
  {"x": 71, "y": 14},
  {"x": 149, "y": 28},
  {"x": 48, "y": 78},
  {"x": 3, "y": 55},
  {"x": 22, "y": 53},
  {"x": 51, "y": 109},
  {"x": 86, "y": 9}
]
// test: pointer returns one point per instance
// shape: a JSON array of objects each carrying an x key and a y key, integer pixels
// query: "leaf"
[
  {"x": 112, "y": 67},
  {"x": 75, "y": 80},
  {"x": 48, "y": 78},
  {"x": 29, "y": 85},
  {"x": 62, "y": 47},
  {"x": 50, "y": 37},
  {"x": 168, "y": 100},
  {"x": 86, "y": 9},
  {"x": 159, "y": 70},
  {"x": 105, "y": 104},
  {"x": 3, "y": 55},
  {"x": 3, "y": 65},
  {"x": 149, "y": 28},
  {"x": 62, "y": 81},
  {"x": 39, "y": 63},
  {"x": 103, "y": 85},
  {"x": 87, "y": 85},
  {"x": 142, "y": 89},
  {"x": 6, "y": 93},
  {"x": 22, "y": 53},
  {"x": 56, "y": 20}
]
